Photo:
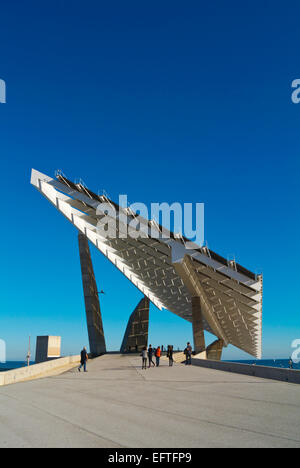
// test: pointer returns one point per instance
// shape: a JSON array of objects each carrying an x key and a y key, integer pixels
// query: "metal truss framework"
[{"x": 164, "y": 270}]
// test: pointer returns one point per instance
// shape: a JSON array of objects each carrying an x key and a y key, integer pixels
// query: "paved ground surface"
[{"x": 116, "y": 404}]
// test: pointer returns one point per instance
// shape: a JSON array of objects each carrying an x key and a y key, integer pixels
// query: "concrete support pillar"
[
  {"x": 91, "y": 298},
  {"x": 198, "y": 330},
  {"x": 136, "y": 334},
  {"x": 214, "y": 350}
]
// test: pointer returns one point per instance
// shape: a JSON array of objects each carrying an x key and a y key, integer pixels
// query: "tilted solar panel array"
[{"x": 233, "y": 294}]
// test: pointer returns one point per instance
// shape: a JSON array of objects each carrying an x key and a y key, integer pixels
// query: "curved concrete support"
[
  {"x": 136, "y": 334},
  {"x": 214, "y": 350}
]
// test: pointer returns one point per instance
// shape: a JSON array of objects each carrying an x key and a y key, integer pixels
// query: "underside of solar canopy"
[{"x": 163, "y": 269}]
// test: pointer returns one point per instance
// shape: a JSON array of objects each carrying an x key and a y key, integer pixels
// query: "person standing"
[
  {"x": 144, "y": 357},
  {"x": 83, "y": 359},
  {"x": 150, "y": 354},
  {"x": 188, "y": 351},
  {"x": 170, "y": 355},
  {"x": 157, "y": 355}
]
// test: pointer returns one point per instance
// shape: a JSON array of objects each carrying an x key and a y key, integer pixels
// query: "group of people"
[{"x": 147, "y": 355}]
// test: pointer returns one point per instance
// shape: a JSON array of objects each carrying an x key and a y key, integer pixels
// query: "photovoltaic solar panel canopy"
[{"x": 165, "y": 271}]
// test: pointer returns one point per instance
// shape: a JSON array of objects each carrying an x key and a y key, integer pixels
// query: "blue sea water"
[
  {"x": 283, "y": 363},
  {"x": 9, "y": 365}
]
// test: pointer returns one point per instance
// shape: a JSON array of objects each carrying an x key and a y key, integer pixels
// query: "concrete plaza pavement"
[{"x": 117, "y": 404}]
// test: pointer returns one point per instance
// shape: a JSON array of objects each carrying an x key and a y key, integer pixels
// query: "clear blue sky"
[{"x": 164, "y": 101}]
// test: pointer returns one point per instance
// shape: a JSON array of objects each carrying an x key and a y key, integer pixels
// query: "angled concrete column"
[
  {"x": 214, "y": 350},
  {"x": 136, "y": 334},
  {"x": 185, "y": 268},
  {"x": 91, "y": 298},
  {"x": 198, "y": 330}
]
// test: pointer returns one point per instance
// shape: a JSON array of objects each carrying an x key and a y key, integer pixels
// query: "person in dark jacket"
[
  {"x": 188, "y": 352},
  {"x": 170, "y": 355},
  {"x": 150, "y": 355},
  {"x": 83, "y": 359}
]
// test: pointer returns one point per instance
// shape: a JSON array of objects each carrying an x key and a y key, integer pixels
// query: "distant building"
[{"x": 47, "y": 348}]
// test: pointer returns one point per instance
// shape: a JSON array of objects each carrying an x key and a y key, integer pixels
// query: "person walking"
[
  {"x": 150, "y": 354},
  {"x": 170, "y": 355},
  {"x": 83, "y": 359},
  {"x": 157, "y": 355},
  {"x": 144, "y": 357},
  {"x": 188, "y": 352}
]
